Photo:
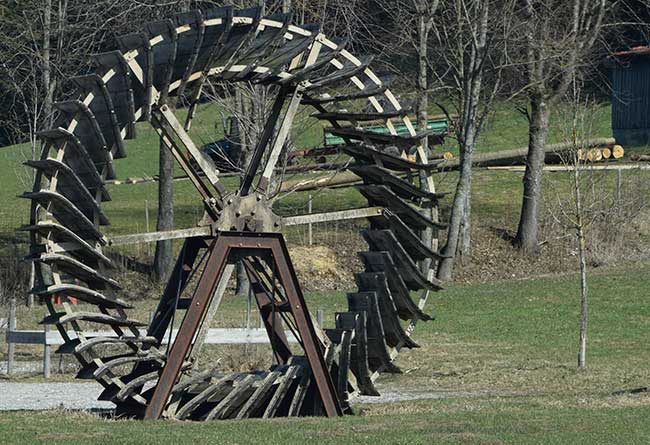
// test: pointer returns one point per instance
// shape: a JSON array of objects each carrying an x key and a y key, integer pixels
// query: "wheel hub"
[{"x": 250, "y": 213}]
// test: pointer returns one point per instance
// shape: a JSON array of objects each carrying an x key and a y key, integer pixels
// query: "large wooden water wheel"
[{"x": 145, "y": 80}]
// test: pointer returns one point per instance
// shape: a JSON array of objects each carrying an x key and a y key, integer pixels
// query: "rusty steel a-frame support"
[{"x": 226, "y": 248}]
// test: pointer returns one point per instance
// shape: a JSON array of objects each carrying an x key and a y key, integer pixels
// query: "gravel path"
[
  {"x": 40, "y": 396},
  {"x": 83, "y": 396}
]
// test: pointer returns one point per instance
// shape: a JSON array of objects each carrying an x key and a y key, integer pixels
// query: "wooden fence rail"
[{"x": 47, "y": 338}]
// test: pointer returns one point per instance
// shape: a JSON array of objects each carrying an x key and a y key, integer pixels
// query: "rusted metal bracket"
[{"x": 224, "y": 249}]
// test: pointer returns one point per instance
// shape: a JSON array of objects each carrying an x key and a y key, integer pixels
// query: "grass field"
[
  {"x": 506, "y": 129},
  {"x": 503, "y": 353}
]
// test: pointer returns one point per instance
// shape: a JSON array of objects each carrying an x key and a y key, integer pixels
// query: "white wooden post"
[
  {"x": 32, "y": 274},
  {"x": 11, "y": 347},
  {"x": 146, "y": 221},
  {"x": 309, "y": 229},
  {"x": 618, "y": 186},
  {"x": 319, "y": 317},
  {"x": 46, "y": 354}
]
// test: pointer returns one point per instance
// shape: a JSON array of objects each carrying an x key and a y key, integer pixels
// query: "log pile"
[{"x": 554, "y": 154}]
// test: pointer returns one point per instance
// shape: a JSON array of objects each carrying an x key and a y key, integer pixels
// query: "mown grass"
[
  {"x": 483, "y": 421},
  {"x": 502, "y": 354}
]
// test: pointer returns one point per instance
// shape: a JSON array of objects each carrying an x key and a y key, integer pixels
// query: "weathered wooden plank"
[
  {"x": 295, "y": 407},
  {"x": 382, "y": 262},
  {"x": 280, "y": 59},
  {"x": 193, "y": 19},
  {"x": 332, "y": 216},
  {"x": 70, "y": 241},
  {"x": 407, "y": 238},
  {"x": 344, "y": 364},
  {"x": 379, "y": 355},
  {"x": 359, "y": 349},
  {"x": 285, "y": 383},
  {"x": 384, "y": 240},
  {"x": 77, "y": 269},
  {"x": 92, "y": 317},
  {"x": 74, "y": 108},
  {"x": 133, "y": 359},
  {"x": 366, "y": 153},
  {"x": 164, "y": 54},
  {"x": 102, "y": 105},
  {"x": 144, "y": 95},
  {"x": 361, "y": 94},
  {"x": 65, "y": 212},
  {"x": 394, "y": 333},
  {"x": 92, "y": 342},
  {"x": 70, "y": 186},
  {"x": 380, "y": 195},
  {"x": 82, "y": 293},
  {"x": 346, "y": 72},
  {"x": 51, "y": 166},
  {"x": 133, "y": 385},
  {"x": 403, "y": 141},
  {"x": 188, "y": 408},
  {"x": 241, "y": 390},
  {"x": 78, "y": 158},
  {"x": 261, "y": 395},
  {"x": 120, "y": 82},
  {"x": 378, "y": 175},
  {"x": 360, "y": 116},
  {"x": 325, "y": 56},
  {"x": 159, "y": 236},
  {"x": 265, "y": 44},
  {"x": 241, "y": 35}
]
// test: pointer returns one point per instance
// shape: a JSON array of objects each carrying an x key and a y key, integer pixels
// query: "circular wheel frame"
[{"x": 143, "y": 81}]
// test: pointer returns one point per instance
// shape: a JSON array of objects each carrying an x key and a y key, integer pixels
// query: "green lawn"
[
  {"x": 484, "y": 421},
  {"x": 505, "y": 129},
  {"x": 504, "y": 353}
]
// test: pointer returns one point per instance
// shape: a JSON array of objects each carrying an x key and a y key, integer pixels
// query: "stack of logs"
[
  {"x": 601, "y": 153},
  {"x": 593, "y": 150}
]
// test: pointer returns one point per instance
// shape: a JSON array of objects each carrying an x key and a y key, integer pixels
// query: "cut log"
[
  {"x": 617, "y": 151},
  {"x": 594, "y": 155},
  {"x": 554, "y": 153}
]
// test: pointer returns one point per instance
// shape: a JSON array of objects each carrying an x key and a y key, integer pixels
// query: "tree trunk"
[
  {"x": 461, "y": 198},
  {"x": 422, "y": 105},
  {"x": 580, "y": 226},
  {"x": 527, "y": 231},
  {"x": 242, "y": 285},
  {"x": 163, "y": 260},
  {"x": 422, "y": 112},
  {"x": 582, "y": 349},
  {"x": 47, "y": 65},
  {"x": 465, "y": 242}
]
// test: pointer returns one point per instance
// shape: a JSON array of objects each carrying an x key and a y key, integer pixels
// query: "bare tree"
[
  {"x": 586, "y": 207},
  {"x": 559, "y": 37},
  {"x": 471, "y": 40}
]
